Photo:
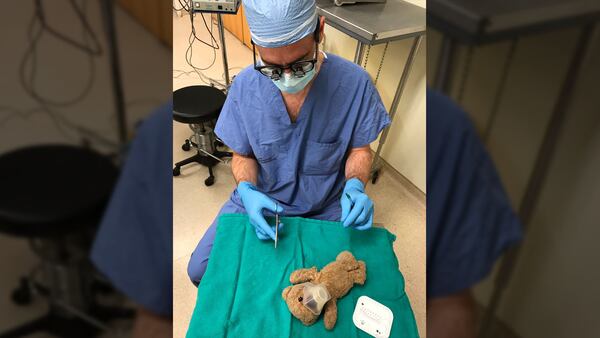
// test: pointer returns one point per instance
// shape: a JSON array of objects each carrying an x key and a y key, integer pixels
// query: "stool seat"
[
  {"x": 50, "y": 190},
  {"x": 197, "y": 104}
]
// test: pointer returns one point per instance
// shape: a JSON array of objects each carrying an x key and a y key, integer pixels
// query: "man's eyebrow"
[{"x": 298, "y": 59}]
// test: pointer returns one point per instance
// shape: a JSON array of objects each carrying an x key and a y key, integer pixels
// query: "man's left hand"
[{"x": 357, "y": 207}]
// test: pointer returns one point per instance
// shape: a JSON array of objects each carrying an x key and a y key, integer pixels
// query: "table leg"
[
  {"x": 500, "y": 91},
  {"x": 443, "y": 74},
  {"x": 399, "y": 90},
  {"x": 464, "y": 74},
  {"x": 359, "y": 52},
  {"x": 108, "y": 21}
]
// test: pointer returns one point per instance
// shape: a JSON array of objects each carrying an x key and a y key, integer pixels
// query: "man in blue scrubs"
[
  {"x": 134, "y": 244},
  {"x": 470, "y": 221},
  {"x": 299, "y": 122}
]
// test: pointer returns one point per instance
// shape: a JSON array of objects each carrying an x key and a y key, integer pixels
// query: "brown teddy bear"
[{"x": 320, "y": 290}]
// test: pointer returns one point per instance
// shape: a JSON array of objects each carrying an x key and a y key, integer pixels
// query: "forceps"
[{"x": 276, "y": 224}]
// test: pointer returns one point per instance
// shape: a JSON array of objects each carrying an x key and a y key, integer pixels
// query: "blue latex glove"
[
  {"x": 357, "y": 207},
  {"x": 255, "y": 201}
]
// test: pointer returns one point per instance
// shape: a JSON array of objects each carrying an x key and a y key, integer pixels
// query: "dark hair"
[{"x": 317, "y": 30}]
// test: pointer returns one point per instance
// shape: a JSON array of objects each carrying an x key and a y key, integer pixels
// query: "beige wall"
[
  {"x": 554, "y": 276},
  {"x": 405, "y": 146}
]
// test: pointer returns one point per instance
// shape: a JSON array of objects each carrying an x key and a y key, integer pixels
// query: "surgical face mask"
[
  {"x": 314, "y": 298},
  {"x": 291, "y": 84}
]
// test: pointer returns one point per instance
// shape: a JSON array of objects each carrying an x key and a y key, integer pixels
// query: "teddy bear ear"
[{"x": 285, "y": 292}]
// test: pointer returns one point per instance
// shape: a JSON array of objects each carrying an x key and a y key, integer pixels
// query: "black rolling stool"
[
  {"x": 199, "y": 107},
  {"x": 54, "y": 195}
]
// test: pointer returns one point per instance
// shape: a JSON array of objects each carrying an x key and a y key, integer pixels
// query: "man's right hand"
[{"x": 255, "y": 201}]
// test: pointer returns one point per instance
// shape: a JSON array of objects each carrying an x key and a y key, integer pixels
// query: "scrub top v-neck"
[{"x": 301, "y": 164}]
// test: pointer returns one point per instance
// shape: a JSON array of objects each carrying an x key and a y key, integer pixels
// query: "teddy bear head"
[{"x": 293, "y": 296}]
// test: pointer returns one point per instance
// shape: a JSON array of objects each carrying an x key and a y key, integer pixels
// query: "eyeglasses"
[{"x": 298, "y": 68}]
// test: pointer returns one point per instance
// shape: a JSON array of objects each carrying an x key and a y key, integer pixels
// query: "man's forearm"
[
  {"x": 244, "y": 168},
  {"x": 358, "y": 164},
  {"x": 452, "y": 316},
  {"x": 149, "y": 325}
]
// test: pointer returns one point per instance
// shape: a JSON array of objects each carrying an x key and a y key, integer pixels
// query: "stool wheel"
[
  {"x": 209, "y": 181},
  {"x": 22, "y": 294},
  {"x": 186, "y": 146},
  {"x": 176, "y": 171}
]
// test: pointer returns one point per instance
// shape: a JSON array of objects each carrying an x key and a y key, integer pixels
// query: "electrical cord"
[
  {"x": 187, "y": 9},
  {"x": 213, "y": 41},
  {"x": 96, "y": 49},
  {"x": 61, "y": 122},
  {"x": 183, "y": 8},
  {"x": 12, "y": 113},
  {"x": 28, "y": 65},
  {"x": 183, "y": 73},
  {"x": 65, "y": 126},
  {"x": 89, "y": 45},
  {"x": 189, "y": 53},
  {"x": 230, "y": 69},
  {"x": 210, "y": 31}
]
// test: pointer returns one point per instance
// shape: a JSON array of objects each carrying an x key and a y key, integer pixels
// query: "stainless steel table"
[
  {"x": 478, "y": 22},
  {"x": 373, "y": 24},
  {"x": 474, "y": 22}
]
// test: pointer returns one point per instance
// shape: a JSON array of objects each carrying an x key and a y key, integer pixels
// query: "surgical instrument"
[{"x": 276, "y": 224}]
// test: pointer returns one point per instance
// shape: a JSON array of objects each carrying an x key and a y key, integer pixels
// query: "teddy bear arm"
[
  {"x": 359, "y": 275},
  {"x": 303, "y": 275}
]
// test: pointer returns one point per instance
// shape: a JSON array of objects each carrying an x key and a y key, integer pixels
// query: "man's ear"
[
  {"x": 285, "y": 292},
  {"x": 321, "y": 34}
]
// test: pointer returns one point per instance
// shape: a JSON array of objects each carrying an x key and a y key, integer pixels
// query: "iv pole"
[
  {"x": 223, "y": 50},
  {"x": 108, "y": 21}
]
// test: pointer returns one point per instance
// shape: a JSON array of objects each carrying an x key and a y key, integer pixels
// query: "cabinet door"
[
  {"x": 233, "y": 23},
  {"x": 153, "y": 15},
  {"x": 245, "y": 29},
  {"x": 166, "y": 22}
]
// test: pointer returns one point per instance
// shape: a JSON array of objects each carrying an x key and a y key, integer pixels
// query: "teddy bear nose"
[{"x": 299, "y": 299}]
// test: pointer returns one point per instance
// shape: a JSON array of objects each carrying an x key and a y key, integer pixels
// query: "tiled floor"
[{"x": 398, "y": 206}]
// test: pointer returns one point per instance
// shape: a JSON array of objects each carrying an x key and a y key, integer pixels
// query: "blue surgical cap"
[{"x": 276, "y": 23}]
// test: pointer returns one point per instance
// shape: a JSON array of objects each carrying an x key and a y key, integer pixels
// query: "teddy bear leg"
[
  {"x": 330, "y": 316},
  {"x": 359, "y": 275},
  {"x": 303, "y": 275},
  {"x": 347, "y": 260}
]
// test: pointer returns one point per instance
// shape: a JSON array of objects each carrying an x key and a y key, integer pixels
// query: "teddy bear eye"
[{"x": 299, "y": 299}]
